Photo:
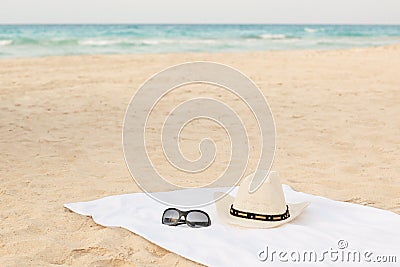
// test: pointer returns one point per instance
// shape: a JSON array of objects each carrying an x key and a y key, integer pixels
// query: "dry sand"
[{"x": 338, "y": 135}]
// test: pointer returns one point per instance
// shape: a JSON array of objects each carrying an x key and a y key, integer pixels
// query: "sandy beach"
[{"x": 338, "y": 136}]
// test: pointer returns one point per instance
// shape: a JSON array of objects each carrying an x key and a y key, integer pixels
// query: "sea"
[{"x": 58, "y": 40}]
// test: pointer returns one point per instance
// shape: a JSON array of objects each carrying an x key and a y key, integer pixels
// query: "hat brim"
[{"x": 223, "y": 206}]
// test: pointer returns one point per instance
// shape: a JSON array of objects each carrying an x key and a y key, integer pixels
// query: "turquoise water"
[{"x": 54, "y": 40}]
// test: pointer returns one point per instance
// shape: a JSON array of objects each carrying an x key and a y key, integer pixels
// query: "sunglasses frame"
[{"x": 184, "y": 220}]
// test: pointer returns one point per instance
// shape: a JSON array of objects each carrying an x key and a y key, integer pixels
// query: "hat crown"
[{"x": 267, "y": 199}]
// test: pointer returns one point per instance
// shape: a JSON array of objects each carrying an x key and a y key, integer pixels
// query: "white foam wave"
[
  {"x": 310, "y": 30},
  {"x": 200, "y": 41},
  {"x": 153, "y": 42},
  {"x": 108, "y": 42},
  {"x": 273, "y": 36},
  {"x": 5, "y": 42},
  {"x": 176, "y": 41},
  {"x": 98, "y": 42}
]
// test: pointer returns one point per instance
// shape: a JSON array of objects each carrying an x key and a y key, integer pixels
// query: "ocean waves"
[
  {"x": 269, "y": 36},
  {"x": 24, "y": 41},
  {"x": 143, "y": 42},
  {"x": 48, "y": 40}
]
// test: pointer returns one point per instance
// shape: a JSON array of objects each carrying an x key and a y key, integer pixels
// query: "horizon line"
[{"x": 195, "y": 24}]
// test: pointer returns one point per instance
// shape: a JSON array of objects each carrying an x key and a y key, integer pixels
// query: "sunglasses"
[{"x": 193, "y": 218}]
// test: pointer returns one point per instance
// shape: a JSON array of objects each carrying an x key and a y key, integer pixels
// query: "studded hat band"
[{"x": 259, "y": 217}]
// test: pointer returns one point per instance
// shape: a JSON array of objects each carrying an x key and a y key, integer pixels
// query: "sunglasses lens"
[
  {"x": 197, "y": 219},
  {"x": 170, "y": 217}
]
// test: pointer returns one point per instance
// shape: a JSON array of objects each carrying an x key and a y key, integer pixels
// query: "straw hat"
[{"x": 265, "y": 208}]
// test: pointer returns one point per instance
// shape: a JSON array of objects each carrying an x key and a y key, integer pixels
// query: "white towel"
[{"x": 328, "y": 231}]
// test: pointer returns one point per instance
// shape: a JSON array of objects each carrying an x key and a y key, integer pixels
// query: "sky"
[{"x": 201, "y": 11}]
